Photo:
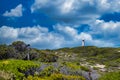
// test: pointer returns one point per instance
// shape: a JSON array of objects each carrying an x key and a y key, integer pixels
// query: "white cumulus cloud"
[
  {"x": 106, "y": 31},
  {"x": 8, "y": 32},
  {"x": 75, "y": 11},
  {"x": 16, "y": 12},
  {"x": 37, "y": 36},
  {"x": 61, "y": 36}
]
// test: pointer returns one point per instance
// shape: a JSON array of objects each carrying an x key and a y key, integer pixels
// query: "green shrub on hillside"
[
  {"x": 21, "y": 50},
  {"x": 64, "y": 77},
  {"x": 71, "y": 65},
  {"x": 84, "y": 68},
  {"x": 44, "y": 57},
  {"x": 56, "y": 77},
  {"x": 47, "y": 71},
  {"x": 75, "y": 66},
  {"x": 111, "y": 76},
  {"x": 17, "y": 67}
]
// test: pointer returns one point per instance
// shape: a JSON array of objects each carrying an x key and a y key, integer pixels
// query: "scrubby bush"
[
  {"x": 111, "y": 76},
  {"x": 21, "y": 50},
  {"x": 65, "y": 77},
  {"x": 3, "y": 51},
  {"x": 17, "y": 67},
  {"x": 57, "y": 77},
  {"x": 20, "y": 45},
  {"x": 47, "y": 57},
  {"x": 47, "y": 71},
  {"x": 84, "y": 68},
  {"x": 71, "y": 65}
]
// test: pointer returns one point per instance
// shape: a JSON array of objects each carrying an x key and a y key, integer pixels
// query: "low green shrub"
[
  {"x": 111, "y": 76},
  {"x": 17, "y": 67},
  {"x": 65, "y": 77},
  {"x": 72, "y": 65},
  {"x": 84, "y": 68},
  {"x": 56, "y": 77},
  {"x": 47, "y": 71}
]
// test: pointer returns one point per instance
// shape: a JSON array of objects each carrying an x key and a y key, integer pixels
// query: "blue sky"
[{"x": 51, "y": 24}]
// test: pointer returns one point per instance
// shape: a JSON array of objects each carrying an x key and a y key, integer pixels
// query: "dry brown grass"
[{"x": 5, "y": 75}]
